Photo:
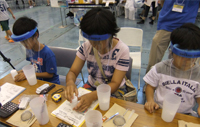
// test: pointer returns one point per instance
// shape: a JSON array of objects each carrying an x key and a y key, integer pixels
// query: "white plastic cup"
[
  {"x": 39, "y": 108},
  {"x": 29, "y": 72},
  {"x": 93, "y": 118},
  {"x": 96, "y": 1},
  {"x": 171, "y": 104},
  {"x": 74, "y": 101},
  {"x": 103, "y": 93},
  {"x": 13, "y": 73}
]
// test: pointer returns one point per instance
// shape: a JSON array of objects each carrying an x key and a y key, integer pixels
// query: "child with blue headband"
[
  {"x": 99, "y": 27},
  {"x": 25, "y": 30},
  {"x": 180, "y": 75}
]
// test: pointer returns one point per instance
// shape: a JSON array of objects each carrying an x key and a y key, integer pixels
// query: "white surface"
[
  {"x": 39, "y": 108},
  {"x": 103, "y": 93},
  {"x": 9, "y": 91}
]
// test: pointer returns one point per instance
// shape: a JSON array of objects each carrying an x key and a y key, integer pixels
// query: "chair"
[
  {"x": 65, "y": 58},
  {"x": 128, "y": 73},
  {"x": 133, "y": 37}
]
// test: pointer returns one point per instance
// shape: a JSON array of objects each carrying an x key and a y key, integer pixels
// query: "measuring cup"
[{"x": 119, "y": 121}]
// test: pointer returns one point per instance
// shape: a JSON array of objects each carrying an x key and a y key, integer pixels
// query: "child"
[
  {"x": 99, "y": 27},
  {"x": 25, "y": 30},
  {"x": 4, "y": 19},
  {"x": 179, "y": 75}
]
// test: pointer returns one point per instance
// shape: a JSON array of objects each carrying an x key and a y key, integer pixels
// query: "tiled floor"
[{"x": 49, "y": 22}]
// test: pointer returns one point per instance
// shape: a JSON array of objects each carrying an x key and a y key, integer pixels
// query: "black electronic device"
[
  {"x": 8, "y": 109},
  {"x": 64, "y": 125},
  {"x": 45, "y": 91}
]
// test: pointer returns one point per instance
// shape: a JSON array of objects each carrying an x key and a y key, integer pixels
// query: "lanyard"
[{"x": 178, "y": 3}]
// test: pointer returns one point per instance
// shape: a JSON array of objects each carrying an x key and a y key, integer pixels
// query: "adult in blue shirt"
[
  {"x": 173, "y": 15},
  {"x": 25, "y": 30}
]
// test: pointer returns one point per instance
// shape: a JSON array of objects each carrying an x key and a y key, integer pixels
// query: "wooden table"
[{"x": 144, "y": 118}]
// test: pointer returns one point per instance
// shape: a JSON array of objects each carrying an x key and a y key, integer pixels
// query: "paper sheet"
[
  {"x": 116, "y": 108},
  {"x": 15, "y": 119},
  {"x": 66, "y": 113},
  {"x": 182, "y": 123},
  {"x": 9, "y": 91}
]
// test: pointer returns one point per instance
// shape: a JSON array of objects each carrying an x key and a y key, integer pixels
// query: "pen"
[{"x": 112, "y": 116}]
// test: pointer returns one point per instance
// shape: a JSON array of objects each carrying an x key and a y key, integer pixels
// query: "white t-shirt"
[
  {"x": 117, "y": 58},
  {"x": 4, "y": 12},
  {"x": 184, "y": 84}
]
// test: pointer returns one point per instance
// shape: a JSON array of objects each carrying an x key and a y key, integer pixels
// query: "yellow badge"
[{"x": 178, "y": 8}]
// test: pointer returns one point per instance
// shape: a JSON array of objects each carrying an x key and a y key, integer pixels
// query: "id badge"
[{"x": 178, "y": 7}]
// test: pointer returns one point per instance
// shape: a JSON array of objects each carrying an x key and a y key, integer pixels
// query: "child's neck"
[{"x": 38, "y": 47}]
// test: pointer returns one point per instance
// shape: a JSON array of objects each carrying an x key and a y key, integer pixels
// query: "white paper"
[
  {"x": 66, "y": 113},
  {"x": 10, "y": 91}
]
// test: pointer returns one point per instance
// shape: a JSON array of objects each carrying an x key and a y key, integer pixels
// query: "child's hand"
[
  {"x": 69, "y": 92},
  {"x": 150, "y": 106},
  {"x": 13, "y": 17},
  {"x": 20, "y": 77},
  {"x": 84, "y": 103}
]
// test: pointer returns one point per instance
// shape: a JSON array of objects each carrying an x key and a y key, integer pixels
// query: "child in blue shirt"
[{"x": 25, "y": 30}]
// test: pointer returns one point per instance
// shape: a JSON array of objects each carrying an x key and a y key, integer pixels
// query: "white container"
[
  {"x": 29, "y": 72},
  {"x": 74, "y": 101},
  {"x": 39, "y": 108},
  {"x": 96, "y": 1},
  {"x": 171, "y": 104},
  {"x": 93, "y": 118},
  {"x": 13, "y": 73},
  {"x": 103, "y": 93}
]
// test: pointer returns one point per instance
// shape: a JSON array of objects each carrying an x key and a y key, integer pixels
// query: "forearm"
[
  {"x": 10, "y": 11},
  {"x": 114, "y": 86},
  {"x": 44, "y": 75},
  {"x": 71, "y": 77},
  {"x": 198, "y": 100},
  {"x": 149, "y": 93}
]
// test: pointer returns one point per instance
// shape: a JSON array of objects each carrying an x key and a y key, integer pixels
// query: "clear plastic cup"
[
  {"x": 93, "y": 118},
  {"x": 39, "y": 108},
  {"x": 29, "y": 72},
  {"x": 103, "y": 93},
  {"x": 171, "y": 104},
  {"x": 13, "y": 73}
]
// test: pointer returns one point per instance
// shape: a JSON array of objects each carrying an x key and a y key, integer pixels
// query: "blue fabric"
[
  {"x": 46, "y": 62},
  {"x": 169, "y": 20}
]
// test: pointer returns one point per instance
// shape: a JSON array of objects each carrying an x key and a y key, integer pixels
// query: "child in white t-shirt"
[{"x": 179, "y": 75}]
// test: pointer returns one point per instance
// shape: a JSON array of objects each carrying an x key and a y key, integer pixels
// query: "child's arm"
[
  {"x": 44, "y": 75},
  {"x": 11, "y": 12},
  {"x": 150, "y": 105},
  {"x": 198, "y": 110}
]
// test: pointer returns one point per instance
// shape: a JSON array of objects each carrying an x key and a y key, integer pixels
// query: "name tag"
[{"x": 178, "y": 8}]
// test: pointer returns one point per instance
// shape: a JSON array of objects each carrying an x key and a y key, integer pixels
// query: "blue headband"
[
  {"x": 184, "y": 53},
  {"x": 24, "y": 36},
  {"x": 96, "y": 37}
]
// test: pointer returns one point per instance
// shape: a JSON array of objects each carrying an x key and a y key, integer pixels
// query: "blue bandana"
[
  {"x": 24, "y": 36},
  {"x": 184, "y": 53},
  {"x": 96, "y": 37}
]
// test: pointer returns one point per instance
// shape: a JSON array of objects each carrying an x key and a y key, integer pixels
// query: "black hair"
[
  {"x": 187, "y": 37},
  {"x": 23, "y": 25},
  {"x": 99, "y": 21}
]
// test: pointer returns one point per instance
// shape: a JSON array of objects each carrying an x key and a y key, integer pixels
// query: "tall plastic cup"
[
  {"x": 103, "y": 93},
  {"x": 93, "y": 118},
  {"x": 96, "y": 1},
  {"x": 39, "y": 108},
  {"x": 171, "y": 104},
  {"x": 29, "y": 72}
]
